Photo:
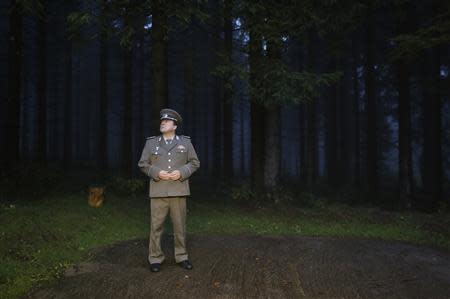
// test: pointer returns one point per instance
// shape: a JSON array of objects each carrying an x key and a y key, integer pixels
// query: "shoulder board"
[
  {"x": 151, "y": 137},
  {"x": 185, "y": 136}
]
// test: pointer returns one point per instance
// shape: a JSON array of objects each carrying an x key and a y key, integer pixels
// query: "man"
[{"x": 169, "y": 160}]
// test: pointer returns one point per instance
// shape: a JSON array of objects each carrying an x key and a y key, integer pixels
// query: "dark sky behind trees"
[{"x": 352, "y": 96}]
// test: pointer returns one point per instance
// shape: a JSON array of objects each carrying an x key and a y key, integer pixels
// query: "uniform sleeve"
[
  {"x": 192, "y": 163},
  {"x": 144, "y": 163}
]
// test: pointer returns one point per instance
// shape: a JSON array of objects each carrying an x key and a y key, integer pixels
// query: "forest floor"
[
  {"x": 260, "y": 266},
  {"x": 59, "y": 247}
]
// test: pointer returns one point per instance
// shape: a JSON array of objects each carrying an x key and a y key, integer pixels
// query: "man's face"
[{"x": 167, "y": 125}]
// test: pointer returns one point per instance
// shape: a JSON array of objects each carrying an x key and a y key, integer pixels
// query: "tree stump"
[{"x": 96, "y": 196}]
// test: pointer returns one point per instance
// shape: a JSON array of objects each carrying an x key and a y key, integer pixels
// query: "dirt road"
[{"x": 250, "y": 266}]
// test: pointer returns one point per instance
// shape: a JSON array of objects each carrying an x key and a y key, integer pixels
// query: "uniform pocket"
[
  {"x": 181, "y": 153},
  {"x": 154, "y": 156},
  {"x": 180, "y": 156}
]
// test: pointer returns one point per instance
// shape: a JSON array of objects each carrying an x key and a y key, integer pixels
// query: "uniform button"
[
  {"x": 169, "y": 154},
  {"x": 169, "y": 166},
  {"x": 169, "y": 160}
]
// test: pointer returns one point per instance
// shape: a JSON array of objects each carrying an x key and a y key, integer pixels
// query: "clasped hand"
[{"x": 165, "y": 175}]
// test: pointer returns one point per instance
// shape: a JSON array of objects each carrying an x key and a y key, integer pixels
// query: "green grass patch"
[
  {"x": 332, "y": 220},
  {"x": 39, "y": 239}
]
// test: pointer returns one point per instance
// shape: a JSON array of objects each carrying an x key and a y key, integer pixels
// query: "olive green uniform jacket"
[{"x": 179, "y": 155}]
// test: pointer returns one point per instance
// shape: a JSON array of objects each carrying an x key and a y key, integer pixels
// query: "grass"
[
  {"x": 334, "y": 220},
  {"x": 39, "y": 239}
]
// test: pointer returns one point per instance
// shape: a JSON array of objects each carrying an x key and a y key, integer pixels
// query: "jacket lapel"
[{"x": 162, "y": 143}]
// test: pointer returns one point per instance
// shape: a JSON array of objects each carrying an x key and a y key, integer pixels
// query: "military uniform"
[{"x": 168, "y": 195}]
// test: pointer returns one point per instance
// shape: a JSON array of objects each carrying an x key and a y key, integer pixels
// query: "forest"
[
  {"x": 306, "y": 149},
  {"x": 350, "y": 98}
]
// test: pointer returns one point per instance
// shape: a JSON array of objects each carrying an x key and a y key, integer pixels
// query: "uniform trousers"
[{"x": 160, "y": 207}]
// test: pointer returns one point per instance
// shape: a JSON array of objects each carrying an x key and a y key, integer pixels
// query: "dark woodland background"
[{"x": 351, "y": 97}]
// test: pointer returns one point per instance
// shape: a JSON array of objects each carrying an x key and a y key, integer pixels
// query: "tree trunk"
[
  {"x": 356, "y": 113},
  {"x": 404, "y": 137},
  {"x": 257, "y": 145},
  {"x": 371, "y": 139},
  {"x": 272, "y": 148},
  {"x": 405, "y": 168},
  {"x": 302, "y": 124},
  {"x": 346, "y": 116},
  {"x": 218, "y": 93},
  {"x": 256, "y": 116},
  {"x": 67, "y": 148},
  {"x": 242, "y": 124},
  {"x": 189, "y": 82},
  {"x": 103, "y": 117},
  {"x": 303, "y": 142},
  {"x": 432, "y": 130},
  {"x": 159, "y": 61},
  {"x": 228, "y": 104},
  {"x": 140, "y": 81},
  {"x": 11, "y": 147},
  {"x": 272, "y": 158},
  {"x": 311, "y": 153},
  {"x": 332, "y": 133},
  {"x": 41, "y": 85},
  {"x": 127, "y": 139},
  {"x": 311, "y": 124}
]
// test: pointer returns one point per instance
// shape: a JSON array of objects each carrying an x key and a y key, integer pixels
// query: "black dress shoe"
[
  {"x": 186, "y": 264},
  {"x": 155, "y": 267}
]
